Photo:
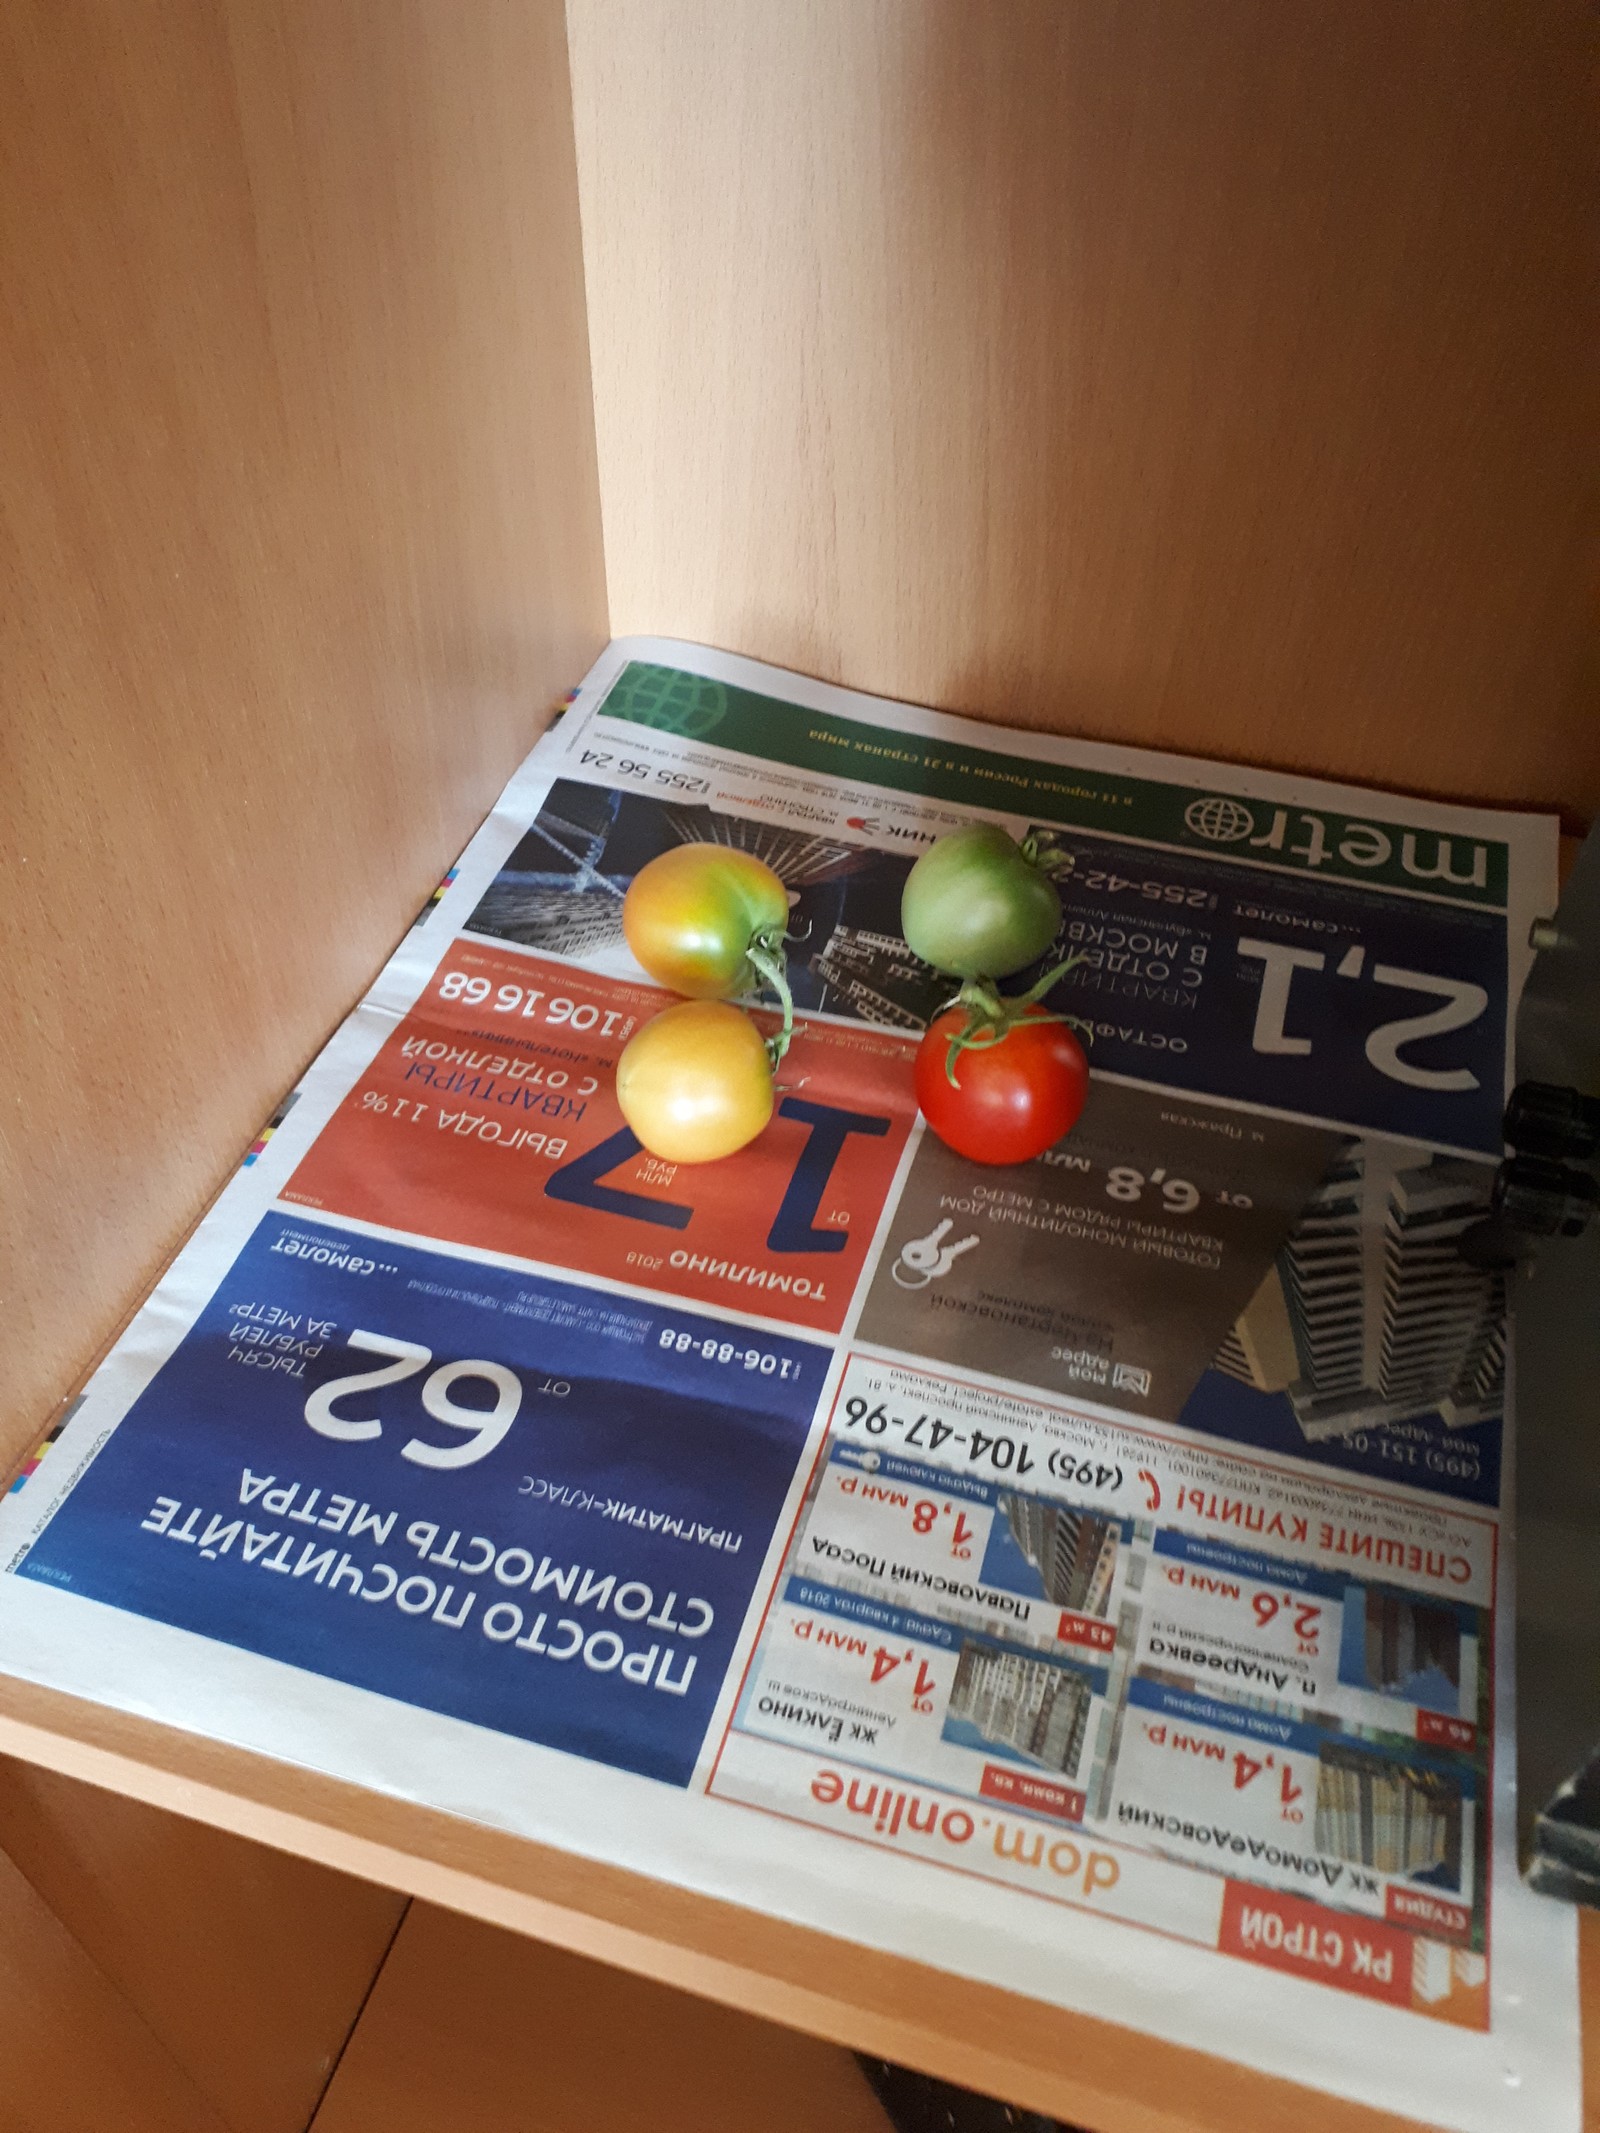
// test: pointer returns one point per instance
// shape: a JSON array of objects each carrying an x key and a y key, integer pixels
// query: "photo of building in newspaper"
[
  {"x": 1399, "y": 1644},
  {"x": 561, "y": 890},
  {"x": 1376, "y": 1340},
  {"x": 1074, "y": 1552},
  {"x": 1371, "y": 1313},
  {"x": 1400, "y": 1820},
  {"x": 1026, "y": 1707}
]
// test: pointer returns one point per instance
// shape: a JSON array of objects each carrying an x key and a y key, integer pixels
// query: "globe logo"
[{"x": 1218, "y": 820}]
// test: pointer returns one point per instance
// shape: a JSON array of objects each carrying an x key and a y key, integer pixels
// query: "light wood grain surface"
[
  {"x": 1091, "y": 2073},
  {"x": 298, "y": 543},
  {"x": 470, "y": 2030},
  {"x": 1204, "y": 376},
  {"x": 248, "y": 1966},
  {"x": 1212, "y": 377},
  {"x": 74, "y": 2056}
]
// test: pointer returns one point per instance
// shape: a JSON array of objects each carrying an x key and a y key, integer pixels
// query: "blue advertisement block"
[
  {"x": 516, "y": 1501},
  {"x": 1302, "y": 993}
]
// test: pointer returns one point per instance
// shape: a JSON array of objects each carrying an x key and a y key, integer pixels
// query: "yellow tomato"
[{"x": 696, "y": 1082}]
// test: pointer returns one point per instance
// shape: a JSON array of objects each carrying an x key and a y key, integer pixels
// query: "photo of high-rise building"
[
  {"x": 1389, "y": 1817},
  {"x": 1371, "y": 1315},
  {"x": 1038, "y": 1710},
  {"x": 1074, "y": 1552},
  {"x": 1410, "y": 1647}
]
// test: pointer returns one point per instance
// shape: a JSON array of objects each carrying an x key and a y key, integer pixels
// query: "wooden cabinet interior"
[
  {"x": 299, "y": 542},
  {"x": 160, "y": 1976},
  {"x": 476, "y": 2029},
  {"x": 156, "y": 1972},
  {"x": 246, "y": 1966},
  {"x": 1050, "y": 2059},
  {"x": 1213, "y": 378},
  {"x": 73, "y": 2046}
]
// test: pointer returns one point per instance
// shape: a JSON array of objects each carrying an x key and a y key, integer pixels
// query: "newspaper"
[{"x": 850, "y": 1531}]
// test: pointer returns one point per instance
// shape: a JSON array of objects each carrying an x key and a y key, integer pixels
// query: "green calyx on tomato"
[
  {"x": 709, "y": 921},
  {"x": 979, "y": 905},
  {"x": 989, "y": 1017}
]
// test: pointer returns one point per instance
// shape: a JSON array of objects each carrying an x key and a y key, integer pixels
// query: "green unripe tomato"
[{"x": 975, "y": 906}]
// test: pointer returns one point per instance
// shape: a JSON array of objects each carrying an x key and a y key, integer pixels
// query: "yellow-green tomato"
[
  {"x": 696, "y": 1082},
  {"x": 692, "y": 915}
]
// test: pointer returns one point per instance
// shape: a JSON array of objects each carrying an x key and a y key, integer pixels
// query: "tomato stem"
[
  {"x": 991, "y": 1017},
  {"x": 1049, "y": 860},
  {"x": 765, "y": 957}
]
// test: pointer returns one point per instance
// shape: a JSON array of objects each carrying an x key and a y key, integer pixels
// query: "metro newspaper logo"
[
  {"x": 489, "y": 1118},
  {"x": 1380, "y": 851}
]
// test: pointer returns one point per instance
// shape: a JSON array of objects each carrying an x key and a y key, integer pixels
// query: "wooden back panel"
[
  {"x": 298, "y": 541},
  {"x": 248, "y": 1966},
  {"x": 1214, "y": 377},
  {"x": 75, "y": 2056},
  {"x": 483, "y": 2030}
]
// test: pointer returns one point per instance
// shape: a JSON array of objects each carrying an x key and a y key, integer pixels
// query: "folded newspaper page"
[{"x": 1090, "y": 1576}]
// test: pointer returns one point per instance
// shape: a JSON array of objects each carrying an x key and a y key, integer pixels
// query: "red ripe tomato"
[{"x": 1011, "y": 1100}]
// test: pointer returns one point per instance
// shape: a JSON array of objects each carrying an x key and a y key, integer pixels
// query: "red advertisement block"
[
  {"x": 490, "y": 1119},
  {"x": 1442, "y": 1732},
  {"x": 1084, "y": 1629},
  {"x": 1020, "y": 1789},
  {"x": 1423, "y": 1912},
  {"x": 1329, "y": 1947}
]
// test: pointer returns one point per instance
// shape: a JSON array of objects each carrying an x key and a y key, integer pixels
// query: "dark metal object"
[
  {"x": 1562, "y": 1123},
  {"x": 1554, "y": 1124},
  {"x": 1538, "y": 1190},
  {"x": 1566, "y": 1857},
  {"x": 1539, "y": 1197},
  {"x": 916, "y": 2103}
]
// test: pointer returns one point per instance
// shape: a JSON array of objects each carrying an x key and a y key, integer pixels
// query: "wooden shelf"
[{"x": 1091, "y": 2073}]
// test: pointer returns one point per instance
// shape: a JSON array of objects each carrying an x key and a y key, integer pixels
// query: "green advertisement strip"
[{"x": 1299, "y": 840}]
